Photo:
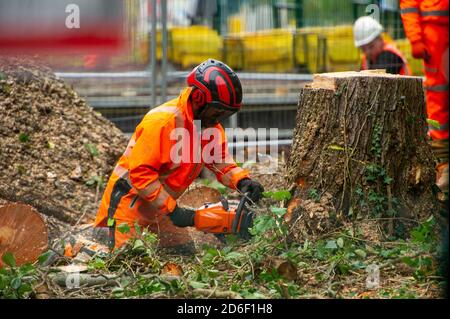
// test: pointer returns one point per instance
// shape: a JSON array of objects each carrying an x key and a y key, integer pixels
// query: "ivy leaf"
[
  {"x": 387, "y": 180},
  {"x": 8, "y": 258}
]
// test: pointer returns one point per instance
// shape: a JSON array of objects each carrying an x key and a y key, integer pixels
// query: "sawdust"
[{"x": 52, "y": 145}]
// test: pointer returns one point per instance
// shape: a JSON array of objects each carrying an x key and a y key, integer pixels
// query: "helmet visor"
[{"x": 214, "y": 113}]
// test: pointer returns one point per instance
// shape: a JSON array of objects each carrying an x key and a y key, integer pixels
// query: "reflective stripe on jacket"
[{"x": 416, "y": 12}]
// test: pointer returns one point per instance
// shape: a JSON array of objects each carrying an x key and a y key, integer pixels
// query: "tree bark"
[{"x": 361, "y": 139}]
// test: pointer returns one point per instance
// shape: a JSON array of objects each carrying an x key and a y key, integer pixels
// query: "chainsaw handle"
[{"x": 239, "y": 209}]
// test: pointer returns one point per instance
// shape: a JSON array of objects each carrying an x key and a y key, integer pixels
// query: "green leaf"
[
  {"x": 267, "y": 194},
  {"x": 2, "y": 76},
  {"x": 197, "y": 285},
  {"x": 97, "y": 263},
  {"x": 336, "y": 148},
  {"x": 340, "y": 242},
  {"x": 361, "y": 253},
  {"x": 3, "y": 282},
  {"x": 23, "y": 289},
  {"x": 92, "y": 149},
  {"x": 150, "y": 238},
  {"x": 124, "y": 228},
  {"x": 95, "y": 180},
  {"x": 50, "y": 145},
  {"x": 16, "y": 282},
  {"x": 281, "y": 195},
  {"x": 279, "y": 211},
  {"x": 433, "y": 123},
  {"x": 331, "y": 244},
  {"x": 27, "y": 269},
  {"x": 44, "y": 257},
  {"x": 388, "y": 180},
  {"x": 138, "y": 244},
  {"x": 8, "y": 258},
  {"x": 137, "y": 228},
  {"x": 111, "y": 222},
  {"x": 24, "y": 138}
]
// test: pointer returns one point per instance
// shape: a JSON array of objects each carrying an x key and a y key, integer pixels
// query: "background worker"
[
  {"x": 377, "y": 54},
  {"x": 426, "y": 26},
  {"x": 148, "y": 178}
]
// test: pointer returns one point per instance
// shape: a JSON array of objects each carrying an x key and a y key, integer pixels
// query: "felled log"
[
  {"x": 22, "y": 233},
  {"x": 361, "y": 140}
]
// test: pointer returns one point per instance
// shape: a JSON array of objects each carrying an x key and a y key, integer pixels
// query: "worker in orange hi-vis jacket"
[
  {"x": 377, "y": 54},
  {"x": 426, "y": 26},
  {"x": 152, "y": 173}
]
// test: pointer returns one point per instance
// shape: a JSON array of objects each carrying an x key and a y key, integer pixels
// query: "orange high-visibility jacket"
[
  {"x": 427, "y": 21},
  {"x": 405, "y": 70},
  {"x": 149, "y": 176},
  {"x": 416, "y": 12}
]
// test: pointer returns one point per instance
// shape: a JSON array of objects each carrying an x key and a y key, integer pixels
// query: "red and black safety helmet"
[{"x": 218, "y": 86}]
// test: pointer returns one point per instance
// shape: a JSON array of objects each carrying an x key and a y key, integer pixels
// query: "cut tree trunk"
[
  {"x": 22, "y": 233},
  {"x": 360, "y": 149}
]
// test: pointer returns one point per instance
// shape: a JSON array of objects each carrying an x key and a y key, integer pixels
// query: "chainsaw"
[{"x": 224, "y": 218}]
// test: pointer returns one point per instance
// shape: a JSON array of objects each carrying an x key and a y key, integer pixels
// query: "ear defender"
[{"x": 198, "y": 96}]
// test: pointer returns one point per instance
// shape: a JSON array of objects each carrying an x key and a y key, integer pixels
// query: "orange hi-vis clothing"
[
  {"x": 152, "y": 173},
  {"x": 388, "y": 47},
  {"x": 427, "y": 21}
]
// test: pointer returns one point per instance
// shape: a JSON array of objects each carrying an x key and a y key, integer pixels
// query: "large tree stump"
[
  {"x": 360, "y": 149},
  {"x": 22, "y": 233}
]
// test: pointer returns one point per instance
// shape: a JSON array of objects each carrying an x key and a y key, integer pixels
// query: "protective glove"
[
  {"x": 419, "y": 51},
  {"x": 255, "y": 189},
  {"x": 182, "y": 217}
]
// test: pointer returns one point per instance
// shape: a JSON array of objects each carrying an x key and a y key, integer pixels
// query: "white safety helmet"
[{"x": 365, "y": 30}]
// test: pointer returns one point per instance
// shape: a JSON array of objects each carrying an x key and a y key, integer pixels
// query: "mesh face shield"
[{"x": 213, "y": 113}]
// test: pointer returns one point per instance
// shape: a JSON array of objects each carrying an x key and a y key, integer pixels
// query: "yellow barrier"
[
  {"x": 262, "y": 51},
  {"x": 318, "y": 49},
  {"x": 190, "y": 46},
  {"x": 327, "y": 48}
]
